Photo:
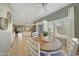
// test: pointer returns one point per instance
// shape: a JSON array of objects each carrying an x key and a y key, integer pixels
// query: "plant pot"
[{"x": 46, "y": 38}]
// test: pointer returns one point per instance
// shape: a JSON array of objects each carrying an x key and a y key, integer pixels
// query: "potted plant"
[{"x": 45, "y": 33}]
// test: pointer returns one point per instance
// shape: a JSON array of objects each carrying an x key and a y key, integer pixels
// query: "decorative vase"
[{"x": 46, "y": 38}]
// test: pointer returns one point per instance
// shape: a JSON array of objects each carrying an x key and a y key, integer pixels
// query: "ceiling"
[{"x": 26, "y": 13}]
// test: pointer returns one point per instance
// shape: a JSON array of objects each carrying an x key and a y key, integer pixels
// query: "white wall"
[
  {"x": 5, "y": 35},
  {"x": 5, "y": 38}
]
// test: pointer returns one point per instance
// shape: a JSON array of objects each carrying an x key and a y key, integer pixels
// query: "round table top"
[{"x": 53, "y": 45}]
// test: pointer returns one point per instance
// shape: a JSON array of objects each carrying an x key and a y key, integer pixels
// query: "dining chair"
[
  {"x": 72, "y": 46},
  {"x": 34, "y": 47},
  {"x": 35, "y": 35}
]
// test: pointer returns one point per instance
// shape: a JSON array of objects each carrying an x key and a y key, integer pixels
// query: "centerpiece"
[{"x": 45, "y": 33}]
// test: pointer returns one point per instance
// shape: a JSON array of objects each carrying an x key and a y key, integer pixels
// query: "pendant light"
[{"x": 45, "y": 23}]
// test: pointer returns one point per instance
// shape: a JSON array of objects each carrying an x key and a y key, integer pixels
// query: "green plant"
[{"x": 45, "y": 33}]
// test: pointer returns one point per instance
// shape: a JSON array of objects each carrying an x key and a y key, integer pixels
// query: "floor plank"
[{"x": 18, "y": 48}]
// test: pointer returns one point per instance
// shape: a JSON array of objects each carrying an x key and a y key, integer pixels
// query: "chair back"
[
  {"x": 34, "y": 47},
  {"x": 36, "y": 34},
  {"x": 72, "y": 46}
]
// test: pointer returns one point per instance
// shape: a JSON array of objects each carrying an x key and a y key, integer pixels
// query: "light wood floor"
[{"x": 19, "y": 48}]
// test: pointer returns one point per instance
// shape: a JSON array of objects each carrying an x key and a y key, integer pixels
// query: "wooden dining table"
[{"x": 49, "y": 46}]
